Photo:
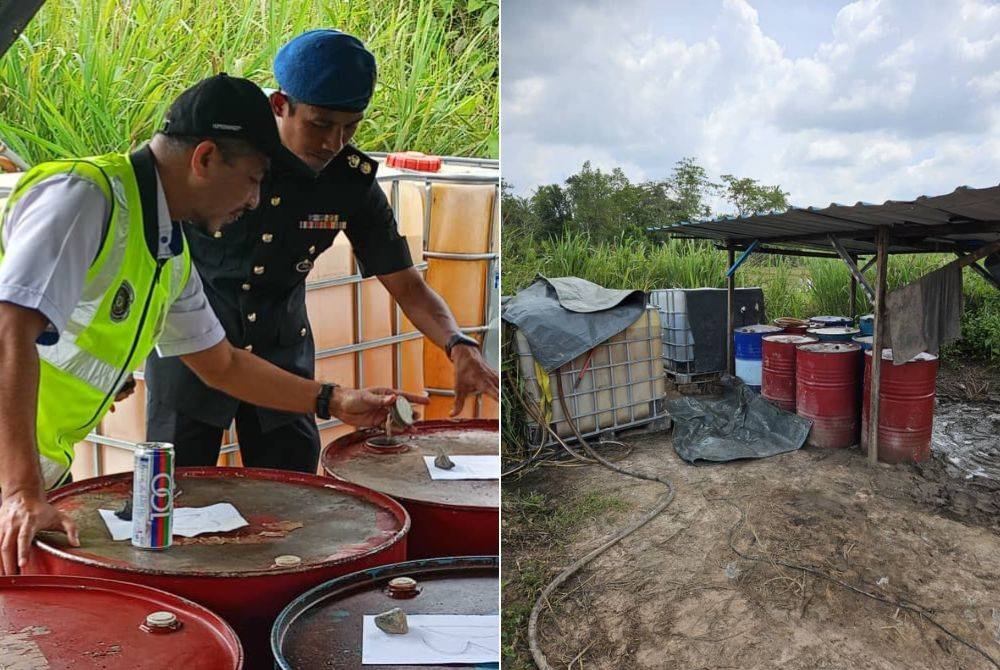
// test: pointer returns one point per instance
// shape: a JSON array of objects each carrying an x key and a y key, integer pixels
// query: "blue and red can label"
[{"x": 153, "y": 495}]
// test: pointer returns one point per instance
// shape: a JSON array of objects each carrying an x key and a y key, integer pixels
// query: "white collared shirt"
[{"x": 51, "y": 237}]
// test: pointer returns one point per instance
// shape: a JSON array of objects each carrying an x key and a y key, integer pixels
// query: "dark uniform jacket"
[{"x": 255, "y": 272}]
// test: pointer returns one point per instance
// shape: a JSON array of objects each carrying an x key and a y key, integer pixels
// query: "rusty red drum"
[
  {"x": 322, "y": 629},
  {"x": 778, "y": 369},
  {"x": 450, "y": 517},
  {"x": 906, "y": 407},
  {"x": 303, "y": 530},
  {"x": 826, "y": 392},
  {"x": 56, "y": 623}
]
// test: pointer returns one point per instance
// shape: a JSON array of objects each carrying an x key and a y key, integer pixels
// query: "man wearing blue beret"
[{"x": 254, "y": 272}]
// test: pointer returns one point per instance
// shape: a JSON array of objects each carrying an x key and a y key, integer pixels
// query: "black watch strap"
[
  {"x": 323, "y": 400},
  {"x": 458, "y": 339}
]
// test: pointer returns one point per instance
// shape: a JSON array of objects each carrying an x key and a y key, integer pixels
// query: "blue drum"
[
  {"x": 748, "y": 345},
  {"x": 865, "y": 341},
  {"x": 867, "y": 324}
]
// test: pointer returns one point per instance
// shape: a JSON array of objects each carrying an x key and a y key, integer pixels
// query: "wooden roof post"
[
  {"x": 882, "y": 257},
  {"x": 854, "y": 292},
  {"x": 731, "y": 318}
]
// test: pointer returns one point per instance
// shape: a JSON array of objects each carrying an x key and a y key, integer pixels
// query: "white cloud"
[{"x": 902, "y": 98}]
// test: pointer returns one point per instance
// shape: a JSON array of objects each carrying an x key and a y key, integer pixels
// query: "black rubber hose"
[{"x": 536, "y": 651}]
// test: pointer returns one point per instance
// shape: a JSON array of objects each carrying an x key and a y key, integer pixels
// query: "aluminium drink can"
[{"x": 153, "y": 495}]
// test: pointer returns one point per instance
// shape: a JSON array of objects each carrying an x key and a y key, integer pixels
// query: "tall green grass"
[
  {"x": 97, "y": 75},
  {"x": 792, "y": 287}
]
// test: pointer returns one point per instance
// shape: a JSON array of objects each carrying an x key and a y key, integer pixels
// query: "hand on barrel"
[
  {"x": 21, "y": 517},
  {"x": 472, "y": 376},
  {"x": 369, "y": 408}
]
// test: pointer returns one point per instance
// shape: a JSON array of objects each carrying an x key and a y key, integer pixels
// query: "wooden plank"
[
  {"x": 854, "y": 290},
  {"x": 856, "y": 276},
  {"x": 731, "y": 316},
  {"x": 981, "y": 271},
  {"x": 779, "y": 252},
  {"x": 882, "y": 256}
]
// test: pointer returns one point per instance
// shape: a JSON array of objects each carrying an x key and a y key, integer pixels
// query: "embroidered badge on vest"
[
  {"x": 121, "y": 305},
  {"x": 323, "y": 222}
]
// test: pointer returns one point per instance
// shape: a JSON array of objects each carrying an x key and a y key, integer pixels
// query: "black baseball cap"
[{"x": 222, "y": 106}]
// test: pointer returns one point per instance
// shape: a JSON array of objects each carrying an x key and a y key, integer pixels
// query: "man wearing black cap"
[
  {"x": 255, "y": 272},
  {"x": 94, "y": 272}
]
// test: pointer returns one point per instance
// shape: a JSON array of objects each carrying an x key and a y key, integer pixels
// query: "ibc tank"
[
  {"x": 457, "y": 207},
  {"x": 449, "y": 517},
  {"x": 333, "y": 528}
]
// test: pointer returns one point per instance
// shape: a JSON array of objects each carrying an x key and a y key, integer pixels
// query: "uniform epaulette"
[{"x": 353, "y": 162}]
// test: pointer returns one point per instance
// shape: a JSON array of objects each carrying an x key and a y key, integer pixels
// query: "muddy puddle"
[{"x": 967, "y": 437}]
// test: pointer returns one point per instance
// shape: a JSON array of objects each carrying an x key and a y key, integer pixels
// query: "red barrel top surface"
[
  {"x": 322, "y": 521},
  {"x": 404, "y": 475},
  {"x": 831, "y": 347},
  {"x": 790, "y": 338},
  {"x": 54, "y": 622},
  {"x": 323, "y": 628},
  {"x": 919, "y": 358}
]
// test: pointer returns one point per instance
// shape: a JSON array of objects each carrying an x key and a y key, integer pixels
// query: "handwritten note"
[
  {"x": 188, "y": 521},
  {"x": 466, "y": 467},
  {"x": 434, "y": 639}
]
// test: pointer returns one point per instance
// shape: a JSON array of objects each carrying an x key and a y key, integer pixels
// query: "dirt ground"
[{"x": 675, "y": 594}]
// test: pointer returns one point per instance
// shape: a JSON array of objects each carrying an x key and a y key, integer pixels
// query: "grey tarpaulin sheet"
[
  {"x": 740, "y": 424},
  {"x": 564, "y": 317}
]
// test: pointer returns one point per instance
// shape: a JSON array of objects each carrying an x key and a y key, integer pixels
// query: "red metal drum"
[
  {"x": 778, "y": 369},
  {"x": 322, "y": 629},
  {"x": 906, "y": 407},
  {"x": 334, "y": 528},
  {"x": 53, "y": 623},
  {"x": 826, "y": 392},
  {"x": 450, "y": 518}
]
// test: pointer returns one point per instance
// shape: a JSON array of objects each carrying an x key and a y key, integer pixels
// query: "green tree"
[
  {"x": 749, "y": 196},
  {"x": 553, "y": 209}
]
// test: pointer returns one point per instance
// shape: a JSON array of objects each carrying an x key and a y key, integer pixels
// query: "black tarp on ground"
[
  {"x": 564, "y": 317},
  {"x": 740, "y": 424}
]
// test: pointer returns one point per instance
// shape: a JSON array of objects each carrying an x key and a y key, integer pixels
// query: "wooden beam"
[
  {"x": 856, "y": 276},
  {"x": 980, "y": 253},
  {"x": 854, "y": 290},
  {"x": 779, "y": 252},
  {"x": 882, "y": 255},
  {"x": 983, "y": 272},
  {"x": 731, "y": 315}
]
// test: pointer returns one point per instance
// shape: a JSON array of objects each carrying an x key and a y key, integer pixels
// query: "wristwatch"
[
  {"x": 323, "y": 400},
  {"x": 458, "y": 339}
]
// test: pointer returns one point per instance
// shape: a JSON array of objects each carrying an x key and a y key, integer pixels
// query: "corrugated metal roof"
[{"x": 964, "y": 218}]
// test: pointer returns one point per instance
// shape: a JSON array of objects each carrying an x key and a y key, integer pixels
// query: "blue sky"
[{"x": 835, "y": 101}]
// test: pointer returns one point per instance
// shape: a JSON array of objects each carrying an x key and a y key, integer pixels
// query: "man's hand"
[
  {"x": 472, "y": 376},
  {"x": 128, "y": 388},
  {"x": 21, "y": 517},
  {"x": 368, "y": 408}
]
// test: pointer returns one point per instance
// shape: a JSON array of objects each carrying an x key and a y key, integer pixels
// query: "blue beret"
[{"x": 327, "y": 68}]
